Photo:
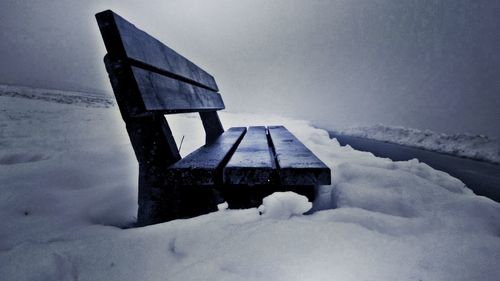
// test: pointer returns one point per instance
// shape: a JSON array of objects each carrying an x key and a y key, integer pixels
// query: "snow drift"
[
  {"x": 478, "y": 147},
  {"x": 68, "y": 193}
]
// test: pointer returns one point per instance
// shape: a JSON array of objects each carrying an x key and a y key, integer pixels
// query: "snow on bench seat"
[
  {"x": 297, "y": 164},
  {"x": 259, "y": 156},
  {"x": 252, "y": 162},
  {"x": 202, "y": 167}
]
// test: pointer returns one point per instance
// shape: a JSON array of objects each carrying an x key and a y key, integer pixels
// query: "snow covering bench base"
[{"x": 240, "y": 165}]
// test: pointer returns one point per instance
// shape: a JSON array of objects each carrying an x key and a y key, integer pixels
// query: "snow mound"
[
  {"x": 222, "y": 206},
  {"x": 478, "y": 147},
  {"x": 66, "y": 216},
  {"x": 284, "y": 205}
]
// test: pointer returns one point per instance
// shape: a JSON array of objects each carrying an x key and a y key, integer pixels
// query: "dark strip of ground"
[{"x": 482, "y": 177}]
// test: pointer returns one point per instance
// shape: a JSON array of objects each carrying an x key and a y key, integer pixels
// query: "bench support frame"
[
  {"x": 150, "y": 80},
  {"x": 155, "y": 148}
]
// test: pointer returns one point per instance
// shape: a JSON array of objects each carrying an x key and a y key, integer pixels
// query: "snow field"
[{"x": 63, "y": 214}]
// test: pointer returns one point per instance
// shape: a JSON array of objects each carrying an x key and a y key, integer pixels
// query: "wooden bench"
[{"x": 240, "y": 165}]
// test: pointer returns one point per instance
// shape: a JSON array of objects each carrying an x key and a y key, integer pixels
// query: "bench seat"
[
  {"x": 257, "y": 156},
  {"x": 204, "y": 165}
]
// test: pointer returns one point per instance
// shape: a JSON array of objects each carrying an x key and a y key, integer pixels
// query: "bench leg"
[
  {"x": 243, "y": 196},
  {"x": 158, "y": 201},
  {"x": 197, "y": 200},
  {"x": 161, "y": 201},
  {"x": 174, "y": 202}
]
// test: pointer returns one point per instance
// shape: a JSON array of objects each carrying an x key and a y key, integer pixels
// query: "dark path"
[{"x": 482, "y": 177}]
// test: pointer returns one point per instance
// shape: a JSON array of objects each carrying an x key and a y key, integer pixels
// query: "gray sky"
[{"x": 416, "y": 63}]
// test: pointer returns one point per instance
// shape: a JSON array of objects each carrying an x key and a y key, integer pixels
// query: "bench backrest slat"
[
  {"x": 124, "y": 40},
  {"x": 164, "y": 94}
]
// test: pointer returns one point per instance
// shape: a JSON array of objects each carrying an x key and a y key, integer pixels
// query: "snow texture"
[
  {"x": 478, "y": 147},
  {"x": 284, "y": 205},
  {"x": 68, "y": 182}
]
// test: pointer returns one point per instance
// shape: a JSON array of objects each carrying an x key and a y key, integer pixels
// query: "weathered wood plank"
[
  {"x": 161, "y": 93},
  {"x": 251, "y": 163},
  {"x": 124, "y": 40},
  {"x": 204, "y": 165},
  {"x": 297, "y": 164},
  {"x": 212, "y": 125}
]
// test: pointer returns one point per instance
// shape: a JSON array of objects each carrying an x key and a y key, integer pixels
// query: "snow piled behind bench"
[
  {"x": 478, "y": 147},
  {"x": 68, "y": 181}
]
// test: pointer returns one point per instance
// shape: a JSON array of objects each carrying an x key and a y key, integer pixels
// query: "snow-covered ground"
[
  {"x": 57, "y": 96},
  {"x": 478, "y": 147},
  {"x": 68, "y": 180}
]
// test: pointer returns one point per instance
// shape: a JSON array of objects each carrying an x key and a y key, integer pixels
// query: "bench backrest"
[
  {"x": 167, "y": 82},
  {"x": 149, "y": 80}
]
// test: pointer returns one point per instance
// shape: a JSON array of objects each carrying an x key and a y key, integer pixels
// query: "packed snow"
[
  {"x": 68, "y": 181},
  {"x": 478, "y": 147},
  {"x": 283, "y": 205}
]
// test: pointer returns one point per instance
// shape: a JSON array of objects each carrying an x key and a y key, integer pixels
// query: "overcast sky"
[{"x": 422, "y": 64}]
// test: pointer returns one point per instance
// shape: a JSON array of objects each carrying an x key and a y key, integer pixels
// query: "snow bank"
[
  {"x": 478, "y": 147},
  {"x": 70, "y": 192}
]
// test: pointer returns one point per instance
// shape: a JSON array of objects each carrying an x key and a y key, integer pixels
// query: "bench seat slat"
[
  {"x": 167, "y": 95},
  {"x": 297, "y": 164},
  {"x": 251, "y": 163},
  {"x": 124, "y": 40},
  {"x": 201, "y": 167}
]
